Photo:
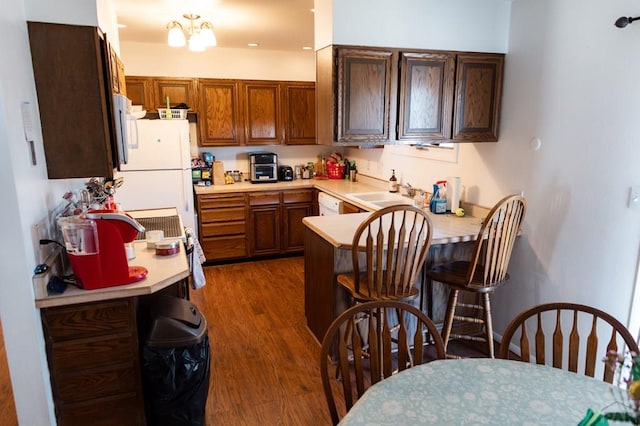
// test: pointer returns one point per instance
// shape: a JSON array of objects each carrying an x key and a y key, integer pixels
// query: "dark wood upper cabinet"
[
  {"x": 179, "y": 90},
  {"x": 72, "y": 73},
  {"x": 299, "y": 104},
  {"x": 478, "y": 97},
  {"x": 426, "y": 95},
  {"x": 262, "y": 113},
  {"x": 140, "y": 91},
  {"x": 220, "y": 119},
  {"x": 364, "y": 82}
]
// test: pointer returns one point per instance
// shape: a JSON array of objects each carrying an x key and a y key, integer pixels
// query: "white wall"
[
  {"x": 28, "y": 198},
  {"x": 426, "y": 24},
  {"x": 150, "y": 59},
  {"x": 571, "y": 79}
]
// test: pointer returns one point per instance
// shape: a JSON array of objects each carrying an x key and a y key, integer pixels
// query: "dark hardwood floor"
[{"x": 264, "y": 361}]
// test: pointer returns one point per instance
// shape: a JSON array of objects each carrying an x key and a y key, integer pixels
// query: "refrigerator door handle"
[
  {"x": 120, "y": 114},
  {"x": 133, "y": 135}
]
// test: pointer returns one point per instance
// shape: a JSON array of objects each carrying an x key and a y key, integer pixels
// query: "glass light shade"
[
  {"x": 176, "y": 36},
  {"x": 195, "y": 43},
  {"x": 207, "y": 35}
]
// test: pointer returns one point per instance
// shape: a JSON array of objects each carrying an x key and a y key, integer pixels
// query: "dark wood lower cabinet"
[
  {"x": 264, "y": 238},
  {"x": 94, "y": 363},
  {"x": 293, "y": 233},
  {"x": 273, "y": 223}
]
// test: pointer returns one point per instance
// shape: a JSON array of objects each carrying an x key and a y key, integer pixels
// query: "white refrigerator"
[{"x": 158, "y": 172}]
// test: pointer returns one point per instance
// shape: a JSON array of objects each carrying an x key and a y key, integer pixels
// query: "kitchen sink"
[
  {"x": 379, "y": 199},
  {"x": 375, "y": 196}
]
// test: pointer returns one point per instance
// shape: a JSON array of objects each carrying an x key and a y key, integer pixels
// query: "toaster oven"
[{"x": 263, "y": 167}]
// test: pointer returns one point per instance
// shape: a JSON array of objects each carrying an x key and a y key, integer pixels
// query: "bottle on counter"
[
  {"x": 418, "y": 200},
  {"x": 393, "y": 182}
]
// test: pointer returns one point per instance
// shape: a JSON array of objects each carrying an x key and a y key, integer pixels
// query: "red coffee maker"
[{"x": 95, "y": 246}]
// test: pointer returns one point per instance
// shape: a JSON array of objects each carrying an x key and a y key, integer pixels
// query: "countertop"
[
  {"x": 163, "y": 271},
  {"x": 335, "y": 187},
  {"x": 339, "y": 230},
  {"x": 340, "y": 188}
]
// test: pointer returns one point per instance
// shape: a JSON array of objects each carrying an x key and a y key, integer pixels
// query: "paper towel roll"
[{"x": 453, "y": 193}]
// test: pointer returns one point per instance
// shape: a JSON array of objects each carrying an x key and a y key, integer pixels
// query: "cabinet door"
[
  {"x": 220, "y": 113},
  {"x": 140, "y": 91},
  {"x": 93, "y": 356},
  {"x": 300, "y": 113},
  {"x": 478, "y": 97},
  {"x": 426, "y": 96},
  {"x": 293, "y": 235},
  {"x": 64, "y": 57},
  {"x": 348, "y": 208},
  {"x": 179, "y": 90},
  {"x": 265, "y": 230},
  {"x": 262, "y": 116},
  {"x": 364, "y": 95}
]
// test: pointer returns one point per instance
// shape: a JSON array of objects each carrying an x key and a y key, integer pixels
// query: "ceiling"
[{"x": 273, "y": 24}]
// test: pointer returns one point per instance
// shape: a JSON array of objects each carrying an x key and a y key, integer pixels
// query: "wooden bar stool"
[
  {"x": 394, "y": 242},
  {"x": 483, "y": 273}
]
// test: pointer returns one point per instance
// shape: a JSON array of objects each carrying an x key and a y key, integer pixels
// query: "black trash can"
[{"x": 175, "y": 363}]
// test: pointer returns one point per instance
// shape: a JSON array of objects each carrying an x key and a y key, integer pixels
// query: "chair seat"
[
  {"x": 455, "y": 275},
  {"x": 348, "y": 282}
]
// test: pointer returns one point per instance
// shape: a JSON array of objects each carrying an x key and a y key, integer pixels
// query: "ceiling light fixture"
[
  {"x": 624, "y": 21},
  {"x": 200, "y": 36}
]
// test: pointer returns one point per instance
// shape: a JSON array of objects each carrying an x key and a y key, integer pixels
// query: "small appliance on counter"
[
  {"x": 285, "y": 173},
  {"x": 263, "y": 167},
  {"x": 202, "y": 169},
  {"x": 95, "y": 245}
]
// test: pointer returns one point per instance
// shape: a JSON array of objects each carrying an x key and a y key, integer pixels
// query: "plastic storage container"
[{"x": 175, "y": 362}]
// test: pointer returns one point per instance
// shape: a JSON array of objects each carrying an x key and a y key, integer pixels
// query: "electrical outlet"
[{"x": 634, "y": 197}]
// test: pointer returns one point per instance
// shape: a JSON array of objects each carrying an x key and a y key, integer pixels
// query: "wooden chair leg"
[
  {"x": 488, "y": 325},
  {"x": 448, "y": 319}
]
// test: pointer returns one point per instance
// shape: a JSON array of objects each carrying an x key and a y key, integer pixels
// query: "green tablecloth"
[{"x": 480, "y": 391}]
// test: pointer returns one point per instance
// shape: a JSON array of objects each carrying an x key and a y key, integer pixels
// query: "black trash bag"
[{"x": 176, "y": 384}]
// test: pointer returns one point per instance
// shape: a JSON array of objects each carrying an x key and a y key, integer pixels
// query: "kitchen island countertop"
[{"x": 339, "y": 230}]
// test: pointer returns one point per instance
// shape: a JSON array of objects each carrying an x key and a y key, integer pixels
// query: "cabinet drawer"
[
  {"x": 92, "y": 352},
  {"x": 224, "y": 247},
  {"x": 264, "y": 198},
  {"x": 222, "y": 215},
  {"x": 123, "y": 410},
  {"x": 217, "y": 201},
  {"x": 88, "y": 320},
  {"x": 83, "y": 385},
  {"x": 304, "y": 196},
  {"x": 223, "y": 228}
]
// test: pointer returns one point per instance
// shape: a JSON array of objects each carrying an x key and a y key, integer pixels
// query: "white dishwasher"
[{"x": 328, "y": 205}]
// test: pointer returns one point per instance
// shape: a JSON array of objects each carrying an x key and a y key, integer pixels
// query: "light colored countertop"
[
  {"x": 447, "y": 228},
  {"x": 163, "y": 271},
  {"x": 337, "y": 187},
  {"x": 480, "y": 391}
]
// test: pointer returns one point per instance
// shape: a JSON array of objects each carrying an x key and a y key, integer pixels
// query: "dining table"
[{"x": 481, "y": 391}]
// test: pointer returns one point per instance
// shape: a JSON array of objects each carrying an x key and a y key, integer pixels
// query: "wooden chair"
[
  {"x": 483, "y": 273},
  {"x": 359, "y": 369},
  {"x": 396, "y": 242},
  {"x": 554, "y": 327}
]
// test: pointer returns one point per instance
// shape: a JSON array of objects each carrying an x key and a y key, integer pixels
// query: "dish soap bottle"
[{"x": 393, "y": 182}]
